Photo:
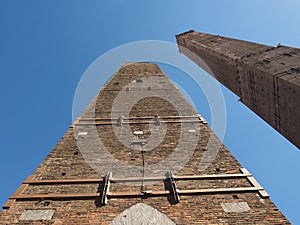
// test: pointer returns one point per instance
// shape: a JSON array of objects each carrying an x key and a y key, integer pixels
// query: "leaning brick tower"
[
  {"x": 266, "y": 78},
  {"x": 140, "y": 154}
]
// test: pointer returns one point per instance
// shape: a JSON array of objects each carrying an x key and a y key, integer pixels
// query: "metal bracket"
[
  {"x": 76, "y": 121},
  {"x": 202, "y": 119},
  {"x": 106, "y": 187},
  {"x": 120, "y": 121},
  {"x": 171, "y": 185},
  {"x": 169, "y": 180},
  {"x": 255, "y": 184},
  {"x": 156, "y": 120},
  {"x": 12, "y": 199}
]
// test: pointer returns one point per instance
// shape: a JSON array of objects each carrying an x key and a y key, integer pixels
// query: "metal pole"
[
  {"x": 142, "y": 143},
  {"x": 143, "y": 172}
]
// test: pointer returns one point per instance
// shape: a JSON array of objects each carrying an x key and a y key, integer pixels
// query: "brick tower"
[
  {"x": 266, "y": 78},
  {"x": 140, "y": 154}
]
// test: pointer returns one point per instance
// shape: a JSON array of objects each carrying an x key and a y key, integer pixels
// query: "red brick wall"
[{"x": 66, "y": 161}]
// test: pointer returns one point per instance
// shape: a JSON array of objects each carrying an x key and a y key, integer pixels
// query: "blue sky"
[{"x": 46, "y": 46}]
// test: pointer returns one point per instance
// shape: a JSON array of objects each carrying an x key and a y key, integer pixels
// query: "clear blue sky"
[{"x": 45, "y": 47}]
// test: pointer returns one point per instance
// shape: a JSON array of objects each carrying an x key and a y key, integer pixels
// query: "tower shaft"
[
  {"x": 266, "y": 78},
  {"x": 94, "y": 174}
]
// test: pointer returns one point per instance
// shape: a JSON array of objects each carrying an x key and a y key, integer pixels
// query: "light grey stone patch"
[
  {"x": 235, "y": 207},
  {"x": 37, "y": 215},
  {"x": 192, "y": 131},
  {"x": 142, "y": 214},
  {"x": 138, "y": 132}
]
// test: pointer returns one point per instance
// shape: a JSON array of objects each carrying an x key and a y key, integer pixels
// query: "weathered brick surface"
[
  {"x": 266, "y": 78},
  {"x": 68, "y": 161}
]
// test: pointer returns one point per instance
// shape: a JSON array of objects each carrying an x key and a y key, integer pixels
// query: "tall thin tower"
[
  {"x": 140, "y": 154},
  {"x": 266, "y": 78}
]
